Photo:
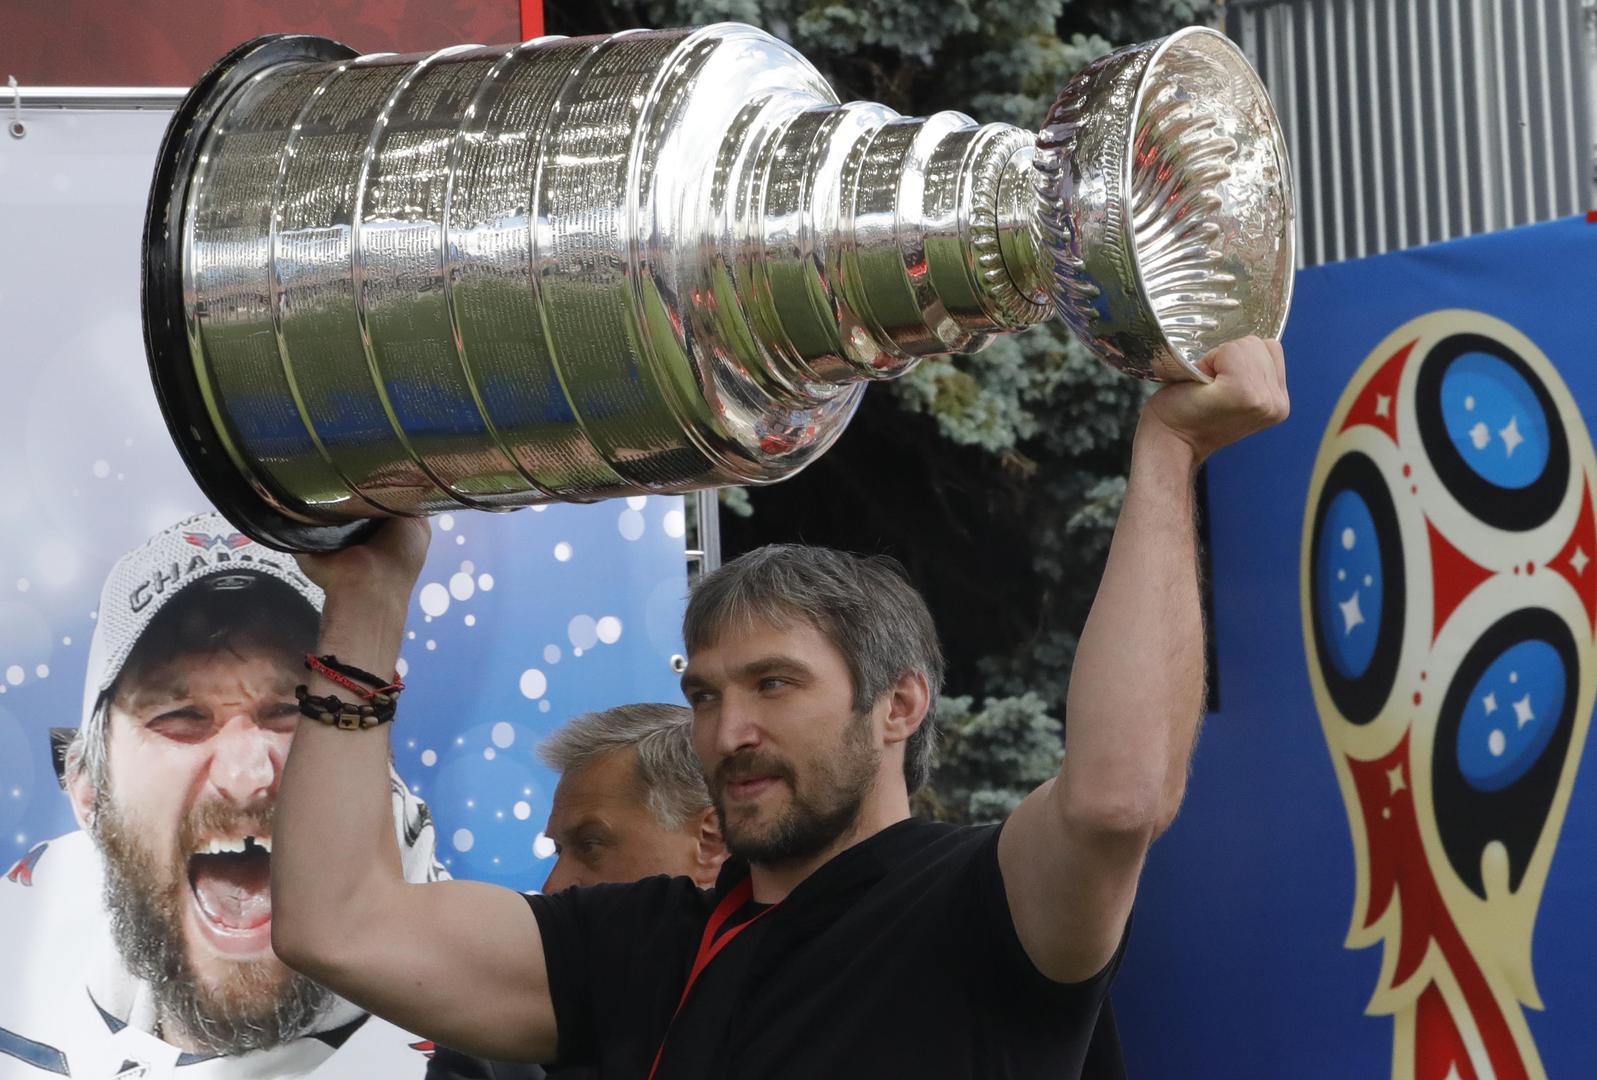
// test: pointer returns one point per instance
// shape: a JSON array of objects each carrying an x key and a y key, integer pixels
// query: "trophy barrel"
[
  {"x": 179, "y": 385},
  {"x": 384, "y": 285}
]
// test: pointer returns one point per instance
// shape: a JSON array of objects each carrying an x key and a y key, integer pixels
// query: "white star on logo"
[
  {"x": 1351, "y": 615},
  {"x": 1394, "y": 780},
  {"x": 1511, "y": 436},
  {"x": 1522, "y": 711},
  {"x": 1490, "y": 701},
  {"x": 1383, "y": 405},
  {"x": 1579, "y": 561}
]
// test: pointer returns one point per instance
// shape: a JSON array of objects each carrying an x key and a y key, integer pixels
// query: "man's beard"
[
  {"x": 816, "y": 816},
  {"x": 259, "y": 1005}
]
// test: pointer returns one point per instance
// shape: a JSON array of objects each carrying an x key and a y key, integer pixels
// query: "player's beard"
[
  {"x": 818, "y": 812},
  {"x": 260, "y": 1004}
]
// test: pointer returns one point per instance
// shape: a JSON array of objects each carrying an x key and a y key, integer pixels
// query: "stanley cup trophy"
[{"x": 654, "y": 262}]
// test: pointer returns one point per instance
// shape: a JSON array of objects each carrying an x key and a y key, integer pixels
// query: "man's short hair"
[
  {"x": 864, "y": 605},
  {"x": 668, "y": 770}
]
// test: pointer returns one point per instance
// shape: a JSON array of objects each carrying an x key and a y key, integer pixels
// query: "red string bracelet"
[{"x": 345, "y": 675}]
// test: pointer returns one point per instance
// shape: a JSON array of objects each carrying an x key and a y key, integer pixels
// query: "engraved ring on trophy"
[{"x": 655, "y": 262}]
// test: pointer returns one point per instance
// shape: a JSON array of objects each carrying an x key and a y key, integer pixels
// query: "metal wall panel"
[{"x": 1415, "y": 121}]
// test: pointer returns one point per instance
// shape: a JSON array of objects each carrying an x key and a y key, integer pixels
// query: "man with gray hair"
[{"x": 631, "y": 802}]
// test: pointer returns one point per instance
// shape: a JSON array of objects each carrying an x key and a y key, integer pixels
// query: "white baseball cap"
[
  {"x": 201, "y": 551},
  {"x": 206, "y": 551}
]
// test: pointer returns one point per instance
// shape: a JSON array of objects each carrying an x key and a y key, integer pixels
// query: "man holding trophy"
[
  {"x": 384, "y": 287},
  {"x": 868, "y": 923}
]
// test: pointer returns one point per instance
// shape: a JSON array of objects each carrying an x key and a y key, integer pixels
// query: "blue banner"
[{"x": 1385, "y": 863}]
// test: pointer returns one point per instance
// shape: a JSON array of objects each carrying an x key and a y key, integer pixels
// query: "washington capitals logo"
[
  {"x": 231, "y": 541},
  {"x": 21, "y": 871}
]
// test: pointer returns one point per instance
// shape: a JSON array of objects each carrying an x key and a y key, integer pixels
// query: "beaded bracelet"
[{"x": 345, "y": 715}]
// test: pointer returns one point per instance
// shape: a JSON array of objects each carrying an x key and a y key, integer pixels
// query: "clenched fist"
[
  {"x": 382, "y": 570},
  {"x": 1248, "y": 394}
]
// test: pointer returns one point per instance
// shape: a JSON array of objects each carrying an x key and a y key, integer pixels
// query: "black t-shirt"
[{"x": 896, "y": 958}]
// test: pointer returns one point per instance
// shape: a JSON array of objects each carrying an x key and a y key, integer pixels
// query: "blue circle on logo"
[
  {"x": 1511, "y": 714},
  {"x": 1495, "y": 421},
  {"x": 1349, "y": 582}
]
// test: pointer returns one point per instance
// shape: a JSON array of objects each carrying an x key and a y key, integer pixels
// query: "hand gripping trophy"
[{"x": 657, "y": 261}]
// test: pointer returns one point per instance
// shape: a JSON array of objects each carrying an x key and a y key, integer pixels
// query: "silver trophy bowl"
[{"x": 654, "y": 262}]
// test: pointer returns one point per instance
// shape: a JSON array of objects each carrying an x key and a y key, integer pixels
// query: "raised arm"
[
  {"x": 460, "y": 962},
  {"x": 1071, "y": 853}
]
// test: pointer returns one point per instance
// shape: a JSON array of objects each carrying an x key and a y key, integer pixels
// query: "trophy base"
[{"x": 177, "y": 386}]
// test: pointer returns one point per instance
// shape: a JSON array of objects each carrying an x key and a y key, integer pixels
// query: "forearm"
[
  {"x": 334, "y": 827},
  {"x": 1072, "y": 852},
  {"x": 1137, "y": 686},
  {"x": 470, "y": 972}
]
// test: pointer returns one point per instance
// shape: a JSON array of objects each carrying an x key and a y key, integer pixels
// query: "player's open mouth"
[{"x": 230, "y": 881}]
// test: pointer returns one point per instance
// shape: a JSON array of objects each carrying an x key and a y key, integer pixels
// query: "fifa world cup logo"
[{"x": 1449, "y": 588}]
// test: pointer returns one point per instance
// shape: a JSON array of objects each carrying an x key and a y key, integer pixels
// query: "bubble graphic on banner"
[
  {"x": 463, "y": 840},
  {"x": 402, "y": 667},
  {"x": 446, "y": 521},
  {"x": 58, "y": 564},
  {"x": 503, "y": 735},
  {"x": 533, "y": 683},
  {"x": 101, "y": 469},
  {"x": 637, "y": 502},
  {"x": 488, "y": 753},
  {"x": 583, "y": 632},
  {"x": 429, "y": 758},
  {"x": 485, "y": 582},
  {"x": 608, "y": 629},
  {"x": 461, "y": 586},
  {"x": 42, "y": 671},
  {"x": 630, "y": 523},
  {"x": 551, "y": 654},
  {"x": 25, "y": 634},
  {"x": 23, "y": 584},
  {"x": 674, "y": 523},
  {"x": 15, "y": 675},
  {"x": 434, "y": 599},
  {"x": 522, "y": 810},
  {"x": 543, "y": 847},
  {"x": 563, "y": 552}
]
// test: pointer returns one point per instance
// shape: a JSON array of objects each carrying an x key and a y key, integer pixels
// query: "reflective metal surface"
[
  {"x": 653, "y": 262},
  {"x": 1166, "y": 198}
]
